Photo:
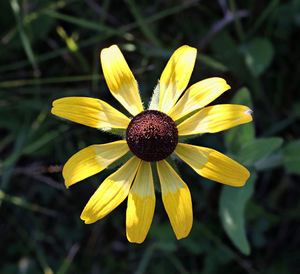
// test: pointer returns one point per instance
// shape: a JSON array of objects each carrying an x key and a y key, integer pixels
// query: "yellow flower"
[{"x": 152, "y": 136}]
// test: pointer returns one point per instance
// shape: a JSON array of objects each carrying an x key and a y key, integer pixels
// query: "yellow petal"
[
  {"x": 92, "y": 160},
  {"x": 111, "y": 192},
  {"x": 214, "y": 119},
  {"x": 176, "y": 76},
  {"x": 89, "y": 112},
  {"x": 213, "y": 165},
  {"x": 120, "y": 79},
  {"x": 198, "y": 95},
  {"x": 141, "y": 204},
  {"x": 176, "y": 198}
]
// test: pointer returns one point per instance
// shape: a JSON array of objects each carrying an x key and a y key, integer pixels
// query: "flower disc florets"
[{"x": 152, "y": 135}]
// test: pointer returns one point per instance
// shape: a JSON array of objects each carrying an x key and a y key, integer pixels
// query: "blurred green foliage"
[{"x": 50, "y": 49}]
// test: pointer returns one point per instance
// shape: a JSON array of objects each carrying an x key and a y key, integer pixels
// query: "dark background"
[{"x": 50, "y": 49}]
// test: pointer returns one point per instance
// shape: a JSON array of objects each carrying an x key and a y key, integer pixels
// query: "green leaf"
[
  {"x": 236, "y": 137},
  {"x": 232, "y": 58},
  {"x": 296, "y": 109},
  {"x": 271, "y": 161},
  {"x": 291, "y": 157},
  {"x": 259, "y": 148},
  {"x": 232, "y": 206},
  {"x": 258, "y": 55}
]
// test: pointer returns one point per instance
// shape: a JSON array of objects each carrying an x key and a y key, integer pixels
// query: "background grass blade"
[{"x": 25, "y": 41}]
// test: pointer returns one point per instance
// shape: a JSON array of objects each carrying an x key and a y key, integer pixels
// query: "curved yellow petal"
[
  {"x": 111, "y": 192},
  {"x": 198, "y": 95},
  {"x": 176, "y": 76},
  {"x": 213, "y": 165},
  {"x": 92, "y": 160},
  {"x": 89, "y": 112},
  {"x": 120, "y": 79},
  {"x": 176, "y": 198},
  {"x": 214, "y": 119},
  {"x": 141, "y": 204}
]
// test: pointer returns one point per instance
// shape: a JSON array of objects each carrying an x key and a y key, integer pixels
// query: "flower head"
[{"x": 152, "y": 136}]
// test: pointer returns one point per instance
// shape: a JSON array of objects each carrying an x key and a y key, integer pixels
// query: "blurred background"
[{"x": 50, "y": 49}]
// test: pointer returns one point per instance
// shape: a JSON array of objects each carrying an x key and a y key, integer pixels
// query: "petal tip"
[
  {"x": 86, "y": 219},
  {"x": 105, "y": 51},
  {"x": 245, "y": 179},
  {"x": 83, "y": 217},
  {"x": 68, "y": 179},
  {"x": 55, "y": 102},
  {"x": 135, "y": 240},
  {"x": 247, "y": 175},
  {"x": 189, "y": 47},
  {"x": 88, "y": 222},
  {"x": 180, "y": 237},
  {"x": 68, "y": 184},
  {"x": 227, "y": 86},
  {"x": 240, "y": 184},
  {"x": 248, "y": 111},
  {"x": 183, "y": 234}
]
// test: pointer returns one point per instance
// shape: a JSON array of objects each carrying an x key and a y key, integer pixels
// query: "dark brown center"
[{"x": 152, "y": 135}]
